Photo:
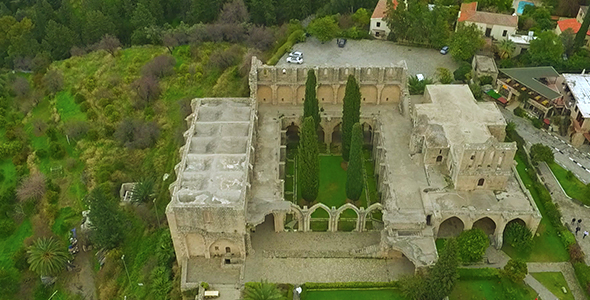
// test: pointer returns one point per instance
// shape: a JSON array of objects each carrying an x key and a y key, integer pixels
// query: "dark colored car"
[
  {"x": 341, "y": 42},
  {"x": 444, "y": 50}
]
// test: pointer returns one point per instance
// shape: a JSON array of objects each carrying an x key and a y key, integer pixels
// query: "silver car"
[
  {"x": 296, "y": 54},
  {"x": 295, "y": 60}
]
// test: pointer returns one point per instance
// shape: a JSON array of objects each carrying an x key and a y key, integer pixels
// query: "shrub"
[
  {"x": 576, "y": 254},
  {"x": 519, "y": 112},
  {"x": 472, "y": 245},
  {"x": 296, "y": 36},
  {"x": 84, "y": 106},
  {"x": 223, "y": 59},
  {"x": 20, "y": 259},
  {"x": 76, "y": 129},
  {"x": 348, "y": 285},
  {"x": 32, "y": 187},
  {"x": 583, "y": 275},
  {"x": 476, "y": 91},
  {"x": 56, "y": 150},
  {"x": 462, "y": 72},
  {"x": 483, "y": 80},
  {"x": 79, "y": 98},
  {"x": 479, "y": 273},
  {"x": 91, "y": 115},
  {"x": 540, "y": 152},
  {"x": 519, "y": 237},
  {"x": 7, "y": 227},
  {"x": 159, "y": 67},
  {"x": 537, "y": 123},
  {"x": 136, "y": 134},
  {"x": 53, "y": 81},
  {"x": 417, "y": 86},
  {"x": 205, "y": 285},
  {"x": 147, "y": 89},
  {"x": 515, "y": 270},
  {"x": 9, "y": 282}
]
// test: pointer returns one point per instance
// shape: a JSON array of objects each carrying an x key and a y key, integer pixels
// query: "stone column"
[
  {"x": 279, "y": 221},
  {"x": 274, "y": 93},
  {"x": 468, "y": 224},
  {"x": 360, "y": 220},
  {"x": 335, "y": 92},
  {"x": 294, "y": 92},
  {"x": 379, "y": 92},
  {"x": 333, "y": 223},
  {"x": 249, "y": 249}
]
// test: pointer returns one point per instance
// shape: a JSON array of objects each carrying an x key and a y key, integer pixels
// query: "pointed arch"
[{"x": 450, "y": 227}]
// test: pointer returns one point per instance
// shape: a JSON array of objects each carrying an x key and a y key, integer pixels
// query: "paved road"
[
  {"x": 567, "y": 156},
  {"x": 372, "y": 53}
]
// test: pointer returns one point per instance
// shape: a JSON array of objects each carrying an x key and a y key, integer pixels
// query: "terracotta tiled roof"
[
  {"x": 570, "y": 23},
  {"x": 469, "y": 13},
  {"x": 381, "y": 8}
]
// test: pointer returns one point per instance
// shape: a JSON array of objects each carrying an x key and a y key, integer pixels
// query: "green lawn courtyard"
[
  {"x": 354, "y": 294},
  {"x": 332, "y": 191},
  {"x": 547, "y": 246},
  {"x": 571, "y": 184},
  {"x": 553, "y": 281},
  {"x": 491, "y": 289}
]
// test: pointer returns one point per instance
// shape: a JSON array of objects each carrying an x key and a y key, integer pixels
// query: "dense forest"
[{"x": 34, "y": 32}]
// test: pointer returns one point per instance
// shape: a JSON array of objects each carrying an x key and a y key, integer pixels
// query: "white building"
[
  {"x": 497, "y": 26},
  {"x": 378, "y": 27}
]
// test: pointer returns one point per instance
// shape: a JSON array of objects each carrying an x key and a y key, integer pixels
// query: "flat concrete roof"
[
  {"x": 512, "y": 200},
  {"x": 485, "y": 64},
  {"x": 214, "y": 166},
  {"x": 579, "y": 85},
  {"x": 528, "y": 77},
  {"x": 465, "y": 121}
]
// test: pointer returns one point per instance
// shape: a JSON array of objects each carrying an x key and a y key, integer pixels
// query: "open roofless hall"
[{"x": 431, "y": 170}]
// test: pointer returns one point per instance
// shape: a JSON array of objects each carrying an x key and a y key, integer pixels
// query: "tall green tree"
[
  {"x": 308, "y": 169},
  {"x": 106, "y": 219},
  {"x": 354, "y": 173},
  {"x": 581, "y": 35},
  {"x": 60, "y": 39},
  {"x": 351, "y": 113},
  {"x": 310, "y": 105},
  {"x": 324, "y": 29},
  {"x": 546, "y": 49},
  {"x": 47, "y": 256},
  {"x": 506, "y": 48},
  {"x": 443, "y": 276},
  {"x": 262, "y": 12},
  {"x": 466, "y": 41},
  {"x": 96, "y": 26}
]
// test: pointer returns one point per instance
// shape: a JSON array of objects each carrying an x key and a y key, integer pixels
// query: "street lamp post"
[
  {"x": 126, "y": 271},
  {"x": 156, "y": 208}
]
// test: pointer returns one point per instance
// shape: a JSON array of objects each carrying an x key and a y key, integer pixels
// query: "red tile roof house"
[
  {"x": 497, "y": 26},
  {"x": 574, "y": 24},
  {"x": 378, "y": 27}
]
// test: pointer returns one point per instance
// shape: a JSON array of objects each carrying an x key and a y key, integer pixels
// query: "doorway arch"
[
  {"x": 486, "y": 224},
  {"x": 450, "y": 227}
]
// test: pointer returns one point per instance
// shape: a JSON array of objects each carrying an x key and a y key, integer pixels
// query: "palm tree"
[
  {"x": 262, "y": 291},
  {"x": 47, "y": 256},
  {"x": 506, "y": 48}
]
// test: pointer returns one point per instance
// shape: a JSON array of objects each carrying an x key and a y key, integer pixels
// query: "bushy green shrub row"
[
  {"x": 479, "y": 273},
  {"x": 583, "y": 275},
  {"x": 519, "y": 112},
  {"x": 296, "y": 36},
  {"x": 348, "y": 285}
]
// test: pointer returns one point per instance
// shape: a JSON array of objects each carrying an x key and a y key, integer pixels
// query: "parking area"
[{"x": 371, "y": 53}]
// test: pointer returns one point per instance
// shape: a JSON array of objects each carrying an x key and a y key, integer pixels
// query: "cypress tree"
[
  {"x": 310, "y": 106},
  {"x": 308, "y": 162},
  {"x": 443, "y": 276},
  {"x": 581, "y": 35},
  {"x": 350, "y": 113},
  {"x": 354, "y": 173}
]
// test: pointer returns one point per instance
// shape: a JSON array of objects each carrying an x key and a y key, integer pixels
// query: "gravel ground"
[{"x": 372, "y": 53}]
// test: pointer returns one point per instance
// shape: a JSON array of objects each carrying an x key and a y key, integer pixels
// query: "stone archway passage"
[
  {"x": 319, "y": 220},
  {"x": 347, "y": 220},
  {"x": 292, "y": 133},
  {"x": 367, "y": 133},
  {"x": 337, "y": 134},
  {"x": 321, "y": 134},
  {"x": 450, "y": 227},
  {"x": 486, "y": 224}
]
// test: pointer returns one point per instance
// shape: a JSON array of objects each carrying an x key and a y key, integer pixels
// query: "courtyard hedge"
[
  {"x": 349, "y": 285},
  {"x": 296, "y": 36},
  {"x": 478, "y": 273}
]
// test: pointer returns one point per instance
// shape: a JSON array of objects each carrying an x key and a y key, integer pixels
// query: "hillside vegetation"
[{"x": 94, "y": 122}]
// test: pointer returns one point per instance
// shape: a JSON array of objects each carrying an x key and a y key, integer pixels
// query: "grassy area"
[
  {"x": 357, "y": 294},
  {"x": 553, "y": 281},
  {"x": 571, "y": 184},
  {"x": 12, "y": 243},
  {"x": 490, "y": 289},
  {"x": 66, "y": 107},
  {"x": 547, "y": 246}
]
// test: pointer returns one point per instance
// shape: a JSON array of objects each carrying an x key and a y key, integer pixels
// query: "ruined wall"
[{"x": 286, "y": 85}]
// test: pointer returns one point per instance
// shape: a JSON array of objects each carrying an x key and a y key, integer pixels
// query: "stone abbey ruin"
[{"x": 441, "y": 167}]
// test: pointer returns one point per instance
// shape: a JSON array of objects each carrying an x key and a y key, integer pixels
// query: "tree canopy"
[
  {"x": 308, "y": 161},
  {"x": 310, "y": 105},
  {"x": 466, "y": 41},
  {"x": 546, "y": 49},
  {"x": 354, "y": 173},
  {"x": 106, "y": 219},
  {"x": 324, "y": 29},
  {"x": 350, "y": 113},
  {"x": 47, "y": 256}
]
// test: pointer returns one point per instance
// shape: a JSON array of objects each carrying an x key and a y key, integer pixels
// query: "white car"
[
  {"x": 296, "y": 54},
  {"x": 295, "y": 60}
]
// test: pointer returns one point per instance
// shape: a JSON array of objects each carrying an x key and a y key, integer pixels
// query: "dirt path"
[{"x": 81, "y": 281}]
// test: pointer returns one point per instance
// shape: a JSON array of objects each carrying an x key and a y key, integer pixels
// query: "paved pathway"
[
  {"x": 569, "y": 157},
  {"x": 568, "y": 273},
  {"x": 541, "y": 290}
]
